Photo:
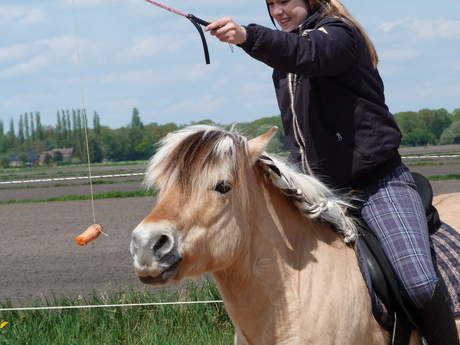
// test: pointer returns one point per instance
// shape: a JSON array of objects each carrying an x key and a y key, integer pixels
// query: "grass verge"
[
  {"x": 199, "y": 324},
  {"x": 110, "y": 195}
]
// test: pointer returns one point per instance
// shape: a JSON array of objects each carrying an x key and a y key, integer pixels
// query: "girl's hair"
[{"x": 334, "y": 8}]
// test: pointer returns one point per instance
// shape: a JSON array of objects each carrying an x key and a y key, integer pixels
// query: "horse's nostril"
[{"x": 159, "y": 244}]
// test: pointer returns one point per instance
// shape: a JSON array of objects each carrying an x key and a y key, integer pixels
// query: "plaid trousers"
[{"x": 394, "y": 212}]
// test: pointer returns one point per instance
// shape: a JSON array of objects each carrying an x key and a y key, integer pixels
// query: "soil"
[{"x": 39, "y": 257}]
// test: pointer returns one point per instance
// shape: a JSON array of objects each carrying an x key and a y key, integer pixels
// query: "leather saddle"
[{"x": 384, "y": 282}]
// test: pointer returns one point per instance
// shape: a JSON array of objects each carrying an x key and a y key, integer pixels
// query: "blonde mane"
[
  {"x": 211, "y": 152},
  {"x": 312, "y": 197}
]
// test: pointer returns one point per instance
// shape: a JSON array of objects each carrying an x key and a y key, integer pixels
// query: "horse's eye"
[{"x": 223, "y": 187}]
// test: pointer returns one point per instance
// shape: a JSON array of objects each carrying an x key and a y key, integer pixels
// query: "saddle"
[{"x": 383, "y": 280}]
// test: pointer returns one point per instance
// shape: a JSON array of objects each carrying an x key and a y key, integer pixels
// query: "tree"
[
  {"x": 451, "y": 135},
  {"x": 456, "y": 114},
  {"x": 96, "y": 124},
  {"x": 26, "y": 126},
  {"x": 47, "y": 160},
  {"x": 24, "y": 158},
  {"x": 4, "y": 161},
  {"x": 21, "y": 129},
  {"x": 58, "y": 130},
  {"x": 136, "y": 120},
  {"x": 32, "y": 127},
  {"x": 418, "y": 137},
  {"x": 435, "y": 121},
  {"x": 58, "y": 157},
  {"x": 38, "y": 126}
]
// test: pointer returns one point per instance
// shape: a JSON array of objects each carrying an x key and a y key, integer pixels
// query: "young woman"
[{"x": 338, "y": 127}]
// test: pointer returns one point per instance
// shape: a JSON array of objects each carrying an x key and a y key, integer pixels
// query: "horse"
[
  {"x": 448, "y": 208},
  {"x": 278, "y": 243}
]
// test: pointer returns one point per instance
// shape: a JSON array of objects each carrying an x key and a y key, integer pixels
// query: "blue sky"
[{"x": 134, "y": 54}]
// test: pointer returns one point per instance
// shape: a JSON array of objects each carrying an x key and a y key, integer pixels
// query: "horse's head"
[{"x": 196, "y": 226}]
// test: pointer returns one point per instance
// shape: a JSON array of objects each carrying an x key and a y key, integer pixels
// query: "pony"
[{"x": 278, "y": 243}]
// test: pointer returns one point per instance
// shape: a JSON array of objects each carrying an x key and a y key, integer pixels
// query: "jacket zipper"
[{"x": 341, "y": 138}]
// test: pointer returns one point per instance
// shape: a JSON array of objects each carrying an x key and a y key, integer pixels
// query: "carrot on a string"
[{"x": 90, "y": 234}]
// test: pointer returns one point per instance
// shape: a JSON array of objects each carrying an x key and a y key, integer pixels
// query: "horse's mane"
[
  {"x": 211, "y": 150},
  {"x": 312, "y": 197}
]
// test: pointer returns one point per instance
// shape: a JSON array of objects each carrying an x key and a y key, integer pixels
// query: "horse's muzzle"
[{"x": 156, "y": 252}]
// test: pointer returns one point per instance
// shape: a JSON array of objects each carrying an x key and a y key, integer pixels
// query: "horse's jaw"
[{"x": 157, "y": 252}]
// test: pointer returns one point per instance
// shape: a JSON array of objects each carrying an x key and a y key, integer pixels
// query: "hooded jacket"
[{"x": 331, "y": 100}]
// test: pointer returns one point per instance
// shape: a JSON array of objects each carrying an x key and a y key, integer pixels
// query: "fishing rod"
[{"x": 196, "y": 22}]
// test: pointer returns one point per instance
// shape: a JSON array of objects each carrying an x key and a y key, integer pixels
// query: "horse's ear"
[{"x": 257, "y": 145}]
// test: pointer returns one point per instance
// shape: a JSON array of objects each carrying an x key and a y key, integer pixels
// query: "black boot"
[{"x": 437, "y": 320}]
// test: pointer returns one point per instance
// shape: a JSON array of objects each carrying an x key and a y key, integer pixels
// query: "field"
[
  {"x": 39, "y": 256},
  {"x": 39, "y": 259}
]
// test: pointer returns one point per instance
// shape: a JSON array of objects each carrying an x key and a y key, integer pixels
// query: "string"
[
  {"x": 85, "y": 120},
  {"x": 109, "y": 305}
]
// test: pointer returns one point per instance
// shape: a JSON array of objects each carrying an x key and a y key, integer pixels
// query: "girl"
[{"x": 338, "y": 127}]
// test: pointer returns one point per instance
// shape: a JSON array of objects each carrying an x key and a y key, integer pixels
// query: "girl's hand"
[{"x": 227, "y": 30}]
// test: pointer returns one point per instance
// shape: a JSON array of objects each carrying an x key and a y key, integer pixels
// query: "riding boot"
[{"x": 437, "y": 320}]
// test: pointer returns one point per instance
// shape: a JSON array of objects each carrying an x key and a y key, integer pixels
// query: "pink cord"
[{"x": 170, "y": 9}]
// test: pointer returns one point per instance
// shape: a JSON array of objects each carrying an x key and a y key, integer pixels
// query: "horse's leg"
[{"x": 239, "y": 340}]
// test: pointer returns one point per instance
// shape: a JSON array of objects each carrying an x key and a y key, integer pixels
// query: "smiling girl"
[{"x": 339, "y": 128}]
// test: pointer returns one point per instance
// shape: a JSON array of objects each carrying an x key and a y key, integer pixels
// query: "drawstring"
[{"x": 300, "y": 140}]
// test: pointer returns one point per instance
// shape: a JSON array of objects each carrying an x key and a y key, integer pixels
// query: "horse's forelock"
[{"x": 194, "y": 157}]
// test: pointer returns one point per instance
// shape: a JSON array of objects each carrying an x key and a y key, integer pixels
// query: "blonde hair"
[{"x": 334, "y": 8}]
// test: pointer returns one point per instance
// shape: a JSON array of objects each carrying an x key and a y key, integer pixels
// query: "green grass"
[
  {"x": 163, "y": 325},
  {"x": 110, "y": 195},
  {"x": 444, "y": 177}
]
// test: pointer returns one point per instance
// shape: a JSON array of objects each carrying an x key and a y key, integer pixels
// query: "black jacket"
[{"x": 351, "y": 138}]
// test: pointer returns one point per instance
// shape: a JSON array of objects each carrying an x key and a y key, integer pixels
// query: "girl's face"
[{"x": 289, "y": 14}]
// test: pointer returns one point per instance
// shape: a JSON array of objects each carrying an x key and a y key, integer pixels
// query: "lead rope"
[
  {"x": 297, "y": 131},
  {"x": 85, "y": 120}
]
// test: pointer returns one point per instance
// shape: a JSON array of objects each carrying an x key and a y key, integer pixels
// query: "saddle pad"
[{"x": 446, "y": 245}]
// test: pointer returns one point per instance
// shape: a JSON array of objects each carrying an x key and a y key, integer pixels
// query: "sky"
[{"x": 132, "y": 54}]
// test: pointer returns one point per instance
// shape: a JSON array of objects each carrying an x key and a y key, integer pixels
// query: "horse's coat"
[{"x": 285, "y": 278}]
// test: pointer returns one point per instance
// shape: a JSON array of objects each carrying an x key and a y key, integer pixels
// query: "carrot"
[{"x": 89, "y": 234}]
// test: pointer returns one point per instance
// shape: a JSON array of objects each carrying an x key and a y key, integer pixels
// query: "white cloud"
[
  {"x": 147, "y": 47},
  {"x": 26, "y": 101},
  {"x": 13, "y": 52},
  {"x": 421, "y": 29},
  {"x": 19, "y": 18},
  {"x": 399, "y": 55},
  {"x": 141, "y": 77},
  {"x": 28, "y": 67},
  {"x": 32, "y": 58},
  {"x": 85, "y": 3}
]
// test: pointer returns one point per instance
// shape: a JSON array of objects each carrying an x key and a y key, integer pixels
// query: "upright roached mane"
[{"x": 223, "y": 154}]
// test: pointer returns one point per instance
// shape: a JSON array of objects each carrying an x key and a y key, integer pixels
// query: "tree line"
[
  {"x": 429, "y": 127},
  {"x": 136, "y": 141}
]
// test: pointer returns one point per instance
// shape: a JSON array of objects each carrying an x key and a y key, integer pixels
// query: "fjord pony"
[{"x": 273, "y": 239}]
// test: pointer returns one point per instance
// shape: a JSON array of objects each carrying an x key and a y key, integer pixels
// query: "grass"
[
  {"x": 163, "y": 325},
  {"x": 109, "y": 195},
  {"x": 444, "y": 177},
  {"x": 96, "y": 182}
]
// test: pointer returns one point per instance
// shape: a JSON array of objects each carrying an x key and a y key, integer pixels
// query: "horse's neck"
[{"x": 292, "y": 282}]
